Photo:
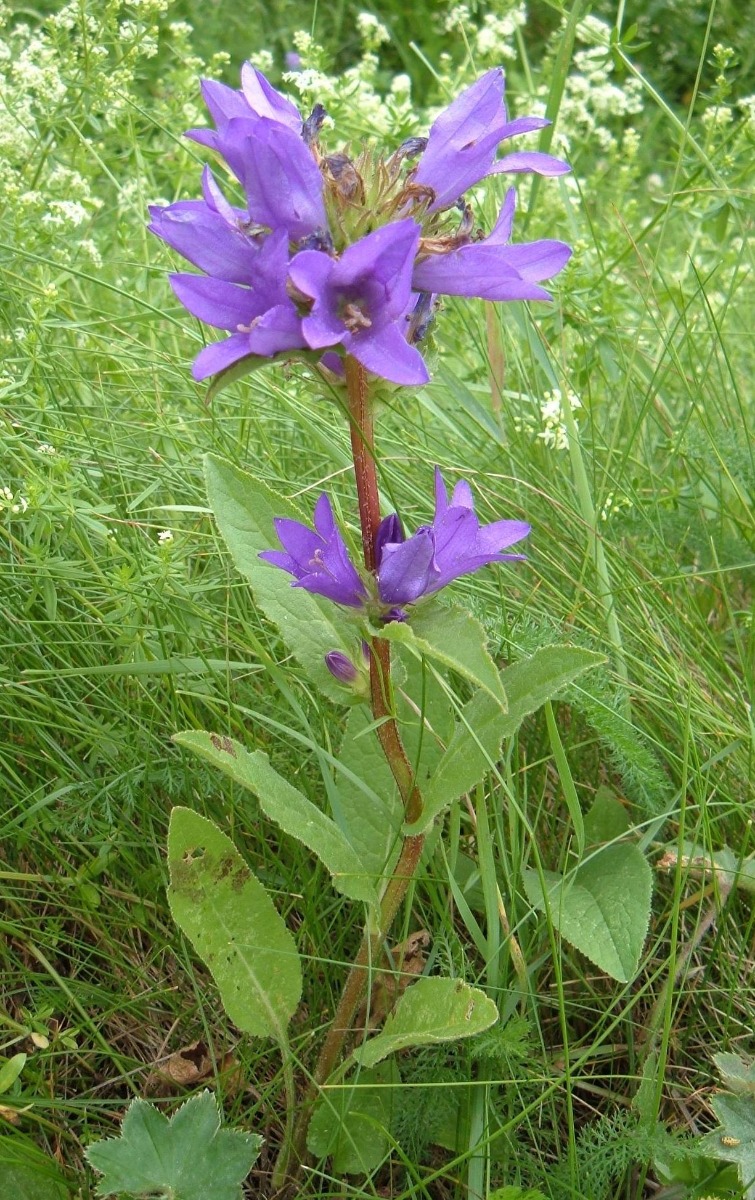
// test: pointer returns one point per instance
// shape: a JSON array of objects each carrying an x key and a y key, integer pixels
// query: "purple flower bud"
[
  {"x": 341, "y": 667},
  {"x": 293, "y": 61},
  {"x": 389, "y": 530}
]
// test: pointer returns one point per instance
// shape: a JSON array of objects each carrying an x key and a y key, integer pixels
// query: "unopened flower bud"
[{"x": 341, "y": 667}]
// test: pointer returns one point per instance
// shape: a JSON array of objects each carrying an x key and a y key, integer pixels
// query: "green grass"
[{"x": 112, "y": 642}]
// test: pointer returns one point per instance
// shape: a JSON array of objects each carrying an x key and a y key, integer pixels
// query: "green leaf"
[
  {"x": 188, "y": 1157},
  {"x": 602, "y": 908},
  {"x": 26, "y": 1172},
  {"x": 432, "y": 1010},
  {"x": 233, "y": 925},
  {"x": 10, "y": 1071},
  {"x": 370, "y": 811},
  {"x": 351, "y": 1123},
  {"x": 453, "y": 637},
  {"x": 24, "y": 1182},
  {"x": 734, "y": 1142},
  {"x": 482, "y": 726},
  {"x": 736, "y": 1074},
  {"x": 244, "y": 510},
  {"x": 607, "y": 819},
  {"x": 288, "y": 808}
]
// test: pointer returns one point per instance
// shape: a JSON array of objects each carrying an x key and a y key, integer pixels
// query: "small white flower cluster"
[
  {"x": 494, "y": 39},
  {"x": 371, "y": 32},
  {"x": 553, "y": 432},
  {"x": 593, "y": 105},
  {"x": 64, "y": 214},
  {"x": 747, "y": 107},
  {"x": 613, "y": 504},
  {"x": 717, "y": 116},
  {"x": 165, "y": 537},
  {"x": 46, "y": 448},
  {"x": 353, "y": 102},
  {"x": 12, "y": 502},
  {"x": 550, "y": 427},
  {"x": 458, "y": 17}
]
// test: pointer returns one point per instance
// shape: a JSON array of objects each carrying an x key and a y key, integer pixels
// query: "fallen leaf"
[{"x": 189, "y": 1066}]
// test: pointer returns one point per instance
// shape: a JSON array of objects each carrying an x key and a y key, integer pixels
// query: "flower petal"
[
  {"x": 299, "y": 541},
  {"x": 206, "y": 239},
  {"x": 216, "y": 302},
  {"x": 530, "y": 160},
  {"x": 283, "y": 184},
  {"x": 220, "y": 355},
  {"x": 379, "y": 269},
  {"x": 408, "y": 570},
  {"x": 463, "y": 139},
  {"x": 265, "y": 101},
  {"x": 277, "y": 330},
  {"x": 476, "y": 270},
  {"x": 495, "y": 537},
  {"x": 387, "y": 353}
]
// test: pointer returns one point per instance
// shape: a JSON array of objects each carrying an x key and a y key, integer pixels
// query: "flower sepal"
[{"x": 253, "y": 363}]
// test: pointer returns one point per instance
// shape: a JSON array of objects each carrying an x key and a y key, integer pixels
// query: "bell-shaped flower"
[
  {"x": 257, "y": 98},
  {"x": 210, "y": 233},
  {"x": 461, "y": 147},
  {"x": 261, "y": 318},
  {"x": 359, "y": 301},
  {"x": 493, "y": 269},
  {"x": 454, "y": 544},
  {"x": 318, "y": 558},
  {"x": 278, "y": 172}
]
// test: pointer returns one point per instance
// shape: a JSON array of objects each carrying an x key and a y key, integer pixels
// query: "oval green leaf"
[
  {"x": 233, "y": 925},
  {"x": 432, "y": 1010}
]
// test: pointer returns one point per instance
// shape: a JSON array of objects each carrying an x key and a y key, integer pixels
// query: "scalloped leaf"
[
  {"x": 454, "y": 638},
  {"x": 351, "y": 1123},
  {"x": 186, "y": 1157}
]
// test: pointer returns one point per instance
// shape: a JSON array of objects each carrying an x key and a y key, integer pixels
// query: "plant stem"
[{"x": 381, "y": 696}]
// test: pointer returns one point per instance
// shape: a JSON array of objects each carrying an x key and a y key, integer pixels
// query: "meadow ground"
[{"x": 617, "y": 421}]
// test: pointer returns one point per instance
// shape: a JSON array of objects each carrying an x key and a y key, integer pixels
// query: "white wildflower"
[
  {"x": 46, "y": 448},
  {"x": 12, "y": 502},
  {"x": 554, "y": 432},
  {"x": 718, "y": 116},
  {"x": 165, "y": 537},
  {"x": 372, "y": 33}
]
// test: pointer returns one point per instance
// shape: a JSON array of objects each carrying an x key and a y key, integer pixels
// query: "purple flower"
[
  {"x": 318, "y": 558},
  {"x": 257, "y": 98},
  {"x": 493, "y": 269},
  {"x": 281, "y": 276},
  {"x": 261, "y": 319},
  {"x": 463, "y": 140},
  {"x": 361, "y": 298},
  {"x": 454, "y": 544},
  {"x": 276, "y": 168}
]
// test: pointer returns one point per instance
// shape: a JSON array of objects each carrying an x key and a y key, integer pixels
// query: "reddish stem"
[{"x": 381, "y": 695}]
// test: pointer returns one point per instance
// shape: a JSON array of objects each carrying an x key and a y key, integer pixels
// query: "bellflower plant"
[
  {"x": 333, "y": 251},
  {"x": 336, "y": 257}
]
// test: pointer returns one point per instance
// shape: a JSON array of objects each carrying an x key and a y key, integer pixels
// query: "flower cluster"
[
  {"x": 345, "y": 255},
  {"x": 407, "y": 569}
]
